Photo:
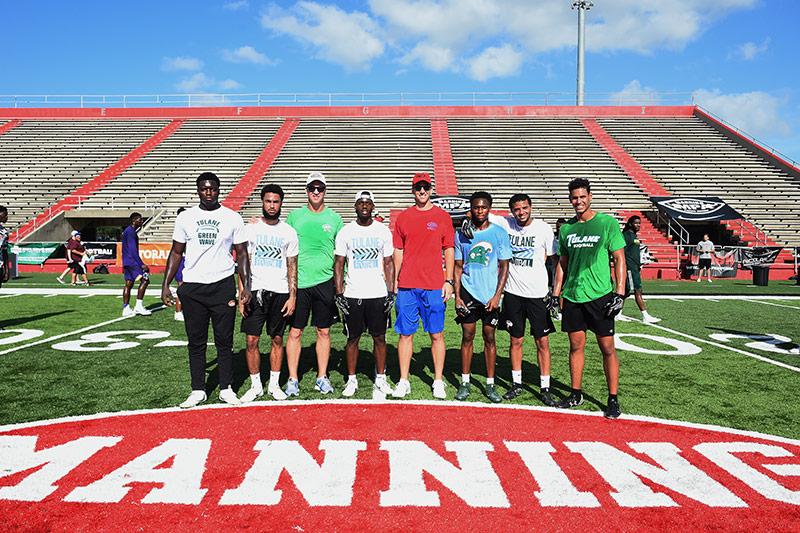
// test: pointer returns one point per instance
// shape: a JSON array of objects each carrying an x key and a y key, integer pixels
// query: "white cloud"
[
  {"x": 749, "y": 50},
  {"x": 757, "y": 113},
  {"x": 247, "y": 54},
  {"x": 347, "y": 39},
  {"x": 495, "y": 62},
  {"x": 199, "y": 82},
  {"x": 635, "y": 94},
  {"x": 236, "y": 5},
  {"x": 432, "y": 57},
  {"x": 181, "y": 63}
]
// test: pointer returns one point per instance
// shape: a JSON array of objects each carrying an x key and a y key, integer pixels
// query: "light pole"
[{"x": 582, "y": 6}]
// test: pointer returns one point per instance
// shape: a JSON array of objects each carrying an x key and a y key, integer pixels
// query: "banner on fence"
[
  {"x": 758, "y": 256},
  {"x": 34, "y": 253},
  {"x": 695, "y": 208}
]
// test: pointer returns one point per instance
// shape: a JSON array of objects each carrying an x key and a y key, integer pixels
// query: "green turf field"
[{"x": 737, "y": 382}]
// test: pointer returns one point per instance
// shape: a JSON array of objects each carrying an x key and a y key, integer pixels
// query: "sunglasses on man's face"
[
  {"x": 422, "y": 187},
  {"x": 315, "y": 188}
]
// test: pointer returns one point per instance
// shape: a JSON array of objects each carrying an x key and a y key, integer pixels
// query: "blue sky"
[{"x": 737, "y": 58}]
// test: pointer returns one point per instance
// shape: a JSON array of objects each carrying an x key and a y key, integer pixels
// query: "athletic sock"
[
  {"x": 274, "y": 377},
  {"x": 544, "y": 382},
  {"x": 139, "y": 303},
  {"x": 516, "y": 376},
  {"x": 255, "y": 381},
  {"x": 490, "y": 381},
  {"x": 351, "y": 377},
  {"x": 380, "y": 377},
  {"x": 464, "y": 378}
]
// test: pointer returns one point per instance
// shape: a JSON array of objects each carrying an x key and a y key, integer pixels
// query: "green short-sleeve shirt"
[
  {"x": 633, "y": 251},
  {"x": 317, "y": 235},
  {"x": 587, "y": 246}
]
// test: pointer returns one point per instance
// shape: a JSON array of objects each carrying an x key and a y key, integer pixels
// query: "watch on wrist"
[{"x": 452, "y": 282}]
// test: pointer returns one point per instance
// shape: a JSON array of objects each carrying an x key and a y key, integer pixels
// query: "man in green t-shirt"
[
  {"x": 590, "y": 300},
  {"x": 633, "y": 265},
  {"x": 316, "y": 227}
]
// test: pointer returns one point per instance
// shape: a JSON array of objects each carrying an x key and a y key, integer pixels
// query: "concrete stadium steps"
[
  {"x": 689, "y": 157},
  {"x": 42, "y": 161},
  {"x": 165, "y": 177},
  {"x": 660, "y": 245},
  {"x": 538, "y": 156},
  {"x": 354, "y": 153}
]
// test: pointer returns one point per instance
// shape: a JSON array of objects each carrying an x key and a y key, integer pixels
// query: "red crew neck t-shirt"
[{"x": 422, "y": 235}]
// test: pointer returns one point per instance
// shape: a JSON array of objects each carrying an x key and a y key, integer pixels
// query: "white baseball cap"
[
  {"x": 316, "y": 176},
  {"x": 365, "y": 195},
  {"x": 74, "y": 232}
]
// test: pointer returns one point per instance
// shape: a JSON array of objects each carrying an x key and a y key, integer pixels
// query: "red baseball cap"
[{"x": 419, "y": 177}]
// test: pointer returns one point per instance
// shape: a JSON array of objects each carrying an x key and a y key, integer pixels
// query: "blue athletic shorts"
[
  {"x": 132, "y": 273},
  {"x": 413, "y": 304}
]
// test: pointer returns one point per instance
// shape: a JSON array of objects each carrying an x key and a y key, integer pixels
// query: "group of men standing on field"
[{"x": 313, "y": 265}]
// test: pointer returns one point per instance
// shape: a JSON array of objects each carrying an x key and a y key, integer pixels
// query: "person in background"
[
  {"x": 705, "y": 248},
  {"x": 67, "y": 256},
  {"x": 5, "y": 267},
  {"x": 134, "y": 268},
  {"x": 633, "y": 265}
]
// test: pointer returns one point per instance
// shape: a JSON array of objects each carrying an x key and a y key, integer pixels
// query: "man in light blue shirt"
[{"x": 481, "y": 270}]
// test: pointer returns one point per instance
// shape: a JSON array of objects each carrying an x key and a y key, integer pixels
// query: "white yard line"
[
  {"x": 76, "y": 332},
  {"x": 9, "y": 295},
  {"x": 672, "y": 299},
  {"x": 719, "y": 345},
  {"x": 771, "y": 303},
  {"x": 714, "y": 296}
]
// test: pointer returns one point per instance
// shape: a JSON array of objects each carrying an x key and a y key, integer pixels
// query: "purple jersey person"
[{"x": 134, "y": 269}]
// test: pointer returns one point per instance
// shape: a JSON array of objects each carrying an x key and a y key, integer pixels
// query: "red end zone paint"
[{"x": 368, "y": 466}]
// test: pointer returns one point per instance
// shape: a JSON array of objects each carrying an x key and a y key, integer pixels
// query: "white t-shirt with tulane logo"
[
  {"x": 364, "y": 247},
  {"x": 209, "y": 237},
  {"x": 530, "y": 245},
  {"x": 269, "y": 246}
]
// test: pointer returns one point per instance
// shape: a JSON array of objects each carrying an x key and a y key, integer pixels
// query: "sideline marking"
[
  {"x": 771, "y": 303},
  {"x": 719, "y": 345},
  {"x": 366, "y": 403},
  {"x": 76, "y": 332}
]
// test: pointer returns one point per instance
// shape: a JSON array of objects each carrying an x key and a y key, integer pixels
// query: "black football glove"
[
  {"x": 388, "y": 302},
  {"x": 614, "y": 306},
  {"x": 464, "y": 310},
  {"x": 552, "y": 304},
  {"x": 342, "y": 305},
  {"x": 467, "y": 228}
]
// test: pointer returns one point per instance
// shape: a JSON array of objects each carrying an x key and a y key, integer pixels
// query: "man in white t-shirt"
[
  {"x": 273, "y": 248},
  {"x": 205, "y": 234},
  {"x": 366, "y": 296},
  {"x": 526, "y": 298},
  {"x": 706, "y": 250}
]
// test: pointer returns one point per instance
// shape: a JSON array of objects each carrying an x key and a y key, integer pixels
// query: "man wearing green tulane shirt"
[
  {"x": 591, "y": 301},
  {"x": 316, "y": 227}
]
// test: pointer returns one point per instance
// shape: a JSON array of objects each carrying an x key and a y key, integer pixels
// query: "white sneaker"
[
  {"x": 650, "y": 319},
  {"x": 141, "y": 310},
  {"x": 195, "y": 398},
  {"x": 252, "y": 393},
  {"x": 128, "y": 311},
  {"x": 276, "y": 392},
  {"x": 350, "y": 388},
  {"x": 402, "y": 389},
  {"x": 229, "y": 397},
  {"x": 709, "y": 281},
  {"x": 383, "y": 386},
  {"x": 179, "y": 316},
  {"x": 438, "y": 390},
  {"x": 699, "y": 280}
]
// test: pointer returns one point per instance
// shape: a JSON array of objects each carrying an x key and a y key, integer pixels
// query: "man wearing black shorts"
[
  {"x": 273, "y": 248},
  {"x": 590, "y": 300},
  {"x": 481, "y": 270},
  {"x": 633, "y": 266},
  {"x": 366, "y": 297},
  {"x": 206, "y": 233},
  {"x": 5, "y": 267}
]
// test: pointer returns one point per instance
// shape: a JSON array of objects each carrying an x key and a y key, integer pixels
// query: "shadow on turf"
[{"x": 25, "y": 319}]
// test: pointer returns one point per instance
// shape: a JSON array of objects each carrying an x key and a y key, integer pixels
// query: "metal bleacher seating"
[
  {"x": 164, "y": 179},
  {"x": 538, "y": 156},
  {"x": 376, "y": 154},
  {"x": 689, "y": 157},
  {"x": 42, "y": 161}
]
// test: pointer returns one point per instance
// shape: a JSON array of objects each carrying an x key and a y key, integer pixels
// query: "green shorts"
[{"x": 633, "y": 281}]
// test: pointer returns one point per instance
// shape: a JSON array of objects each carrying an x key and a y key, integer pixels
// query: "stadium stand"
[{"x": 689, "y": 157}]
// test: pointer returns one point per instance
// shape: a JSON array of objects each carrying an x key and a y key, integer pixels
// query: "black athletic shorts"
[
  {"x": 317, "y": 302},
  {"x": 588, "y": 315},
  {"x": 366, "y": 314},
  {"x": 518, "y": 309},
  {"x": 704, "y": 262},
  {"x": 477, "y": 311},
  {"x": 77, "y": 268},
  {"x": 268, "y": 313}
]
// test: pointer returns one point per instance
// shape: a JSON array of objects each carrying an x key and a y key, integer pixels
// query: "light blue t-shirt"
[{"x": 480, "y": 255}]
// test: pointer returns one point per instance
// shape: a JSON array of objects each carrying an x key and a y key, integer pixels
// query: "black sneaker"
[
  {"x": 547, "y": 398},
  {"x": 573, "y": 400},
  {"x": 612, "y": 410},
  {"x": 515, "y": 391}
]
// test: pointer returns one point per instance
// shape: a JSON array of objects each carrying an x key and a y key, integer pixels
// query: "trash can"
[{"x": 760, "y": 276}]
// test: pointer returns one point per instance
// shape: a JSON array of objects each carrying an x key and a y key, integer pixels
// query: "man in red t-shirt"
[
  {"x": 75, "y": 253},
  {"x": 421, "y": 233}
]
